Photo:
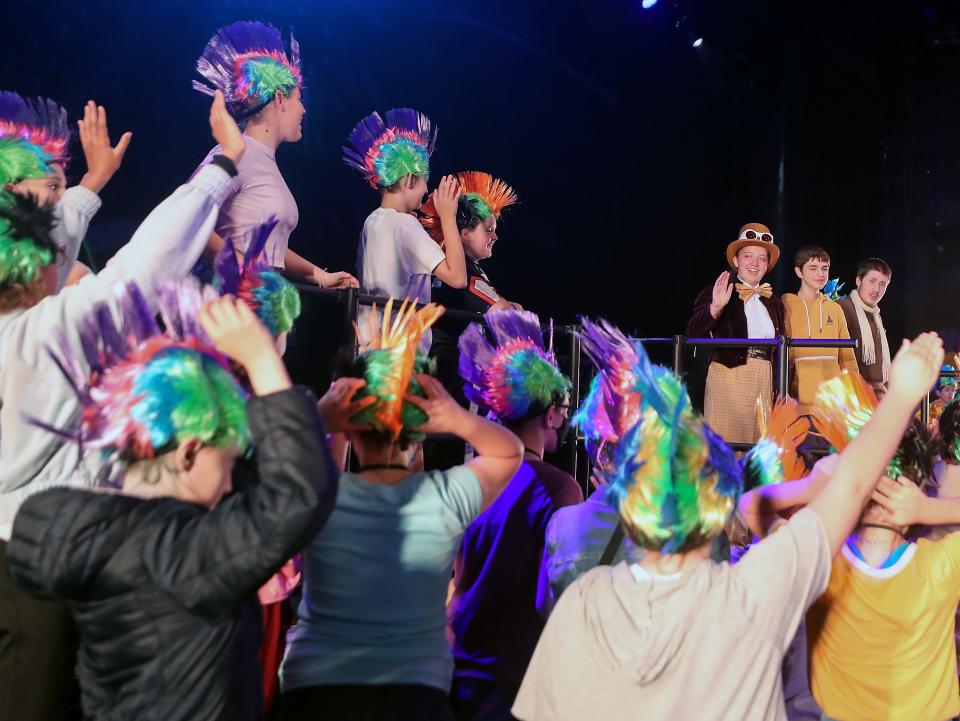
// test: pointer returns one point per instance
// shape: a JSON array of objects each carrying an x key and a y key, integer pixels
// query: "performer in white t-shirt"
[{"x": 396, "y": 257}]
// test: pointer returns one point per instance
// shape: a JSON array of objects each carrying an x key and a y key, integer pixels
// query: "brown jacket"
[
  {"x": 731, "y": 323},
  {"x": 872, "y": 373}
]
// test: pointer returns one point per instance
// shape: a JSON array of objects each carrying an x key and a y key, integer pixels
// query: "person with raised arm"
[
  {"x": 161, "y": 570},
  {"x": 676, "y": 634},
  {"x": 370, "y": 639},
  {"x": 35, "y": 311}
]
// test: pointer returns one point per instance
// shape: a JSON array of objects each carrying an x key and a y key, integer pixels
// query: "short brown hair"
[
  {"x": 877, "y": 264},
  {"x": 808, "y": 253}
]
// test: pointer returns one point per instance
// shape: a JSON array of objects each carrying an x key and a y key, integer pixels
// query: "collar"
[{"x": 258, "y": 146}]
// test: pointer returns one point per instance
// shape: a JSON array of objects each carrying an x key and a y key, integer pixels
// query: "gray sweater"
[{"x": 164, "y": 247}]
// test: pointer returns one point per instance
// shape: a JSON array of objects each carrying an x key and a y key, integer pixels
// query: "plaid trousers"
[{"x": 730, "y": 401}]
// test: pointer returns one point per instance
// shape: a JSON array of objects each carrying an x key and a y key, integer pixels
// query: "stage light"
[
  {"x": 697, "y": 43},
  {"x": 647, "y": 4}
]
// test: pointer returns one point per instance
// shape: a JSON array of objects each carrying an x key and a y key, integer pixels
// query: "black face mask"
[{"x": 563, "y": 433}]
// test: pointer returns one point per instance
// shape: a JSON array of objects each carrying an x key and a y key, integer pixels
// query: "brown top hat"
[{"x": 754, "y": 234}]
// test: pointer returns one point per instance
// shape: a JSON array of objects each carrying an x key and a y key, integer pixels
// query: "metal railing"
[{"x": 351, "y": 299}]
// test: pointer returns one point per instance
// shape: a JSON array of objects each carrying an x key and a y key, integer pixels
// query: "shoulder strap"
[{"x": 613, "y": 545}]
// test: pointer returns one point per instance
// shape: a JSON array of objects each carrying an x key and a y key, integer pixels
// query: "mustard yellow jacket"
[{"x": 809, "y": 367}]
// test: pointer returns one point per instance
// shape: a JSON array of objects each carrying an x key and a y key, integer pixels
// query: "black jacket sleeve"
[
  {"x": 212, "y": 562},
  {"x": 701, "y": 322}
]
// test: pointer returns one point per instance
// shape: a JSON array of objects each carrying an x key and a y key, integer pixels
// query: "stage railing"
[{"x": 351, "y": 299}]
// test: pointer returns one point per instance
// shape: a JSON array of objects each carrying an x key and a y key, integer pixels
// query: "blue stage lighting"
[
  {"x": 647, "y": 4},
  {"x": 697, "y": 43}
]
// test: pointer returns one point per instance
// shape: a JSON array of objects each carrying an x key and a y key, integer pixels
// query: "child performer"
[
  {"x": 161, "y": 575},
  {"x": 396, "y": 257},
  {"x": 263, "y": 86},
  {"x": 493, "y": 611},
  {"x": 370, "y": 639},
  {"x": 676, "y": 634}
]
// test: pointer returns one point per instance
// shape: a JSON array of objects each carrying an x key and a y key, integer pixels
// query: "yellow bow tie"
[{"x": 746, "y": 291}]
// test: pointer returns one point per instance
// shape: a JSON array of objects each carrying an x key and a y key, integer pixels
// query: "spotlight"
[
  {"x": 647, "y": 4},
  {"x": 697, "y": 43}
]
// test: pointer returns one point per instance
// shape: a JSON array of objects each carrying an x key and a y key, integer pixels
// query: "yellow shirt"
[
  {"x": 821, "y": 319},
  {"x": 881, "y": 640}
]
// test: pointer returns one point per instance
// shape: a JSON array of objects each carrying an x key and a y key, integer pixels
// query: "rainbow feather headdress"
[
  {"x": 34, "y": 133},
  {"x": 143, "y": 391},
  {"x": 387, "y": 150},
  {"x": 674, "y": 481},
  {"x": 515, "y": 377},
  {"x": 388, "y": 368},
  {"x": 26, "y": 241},
  {"x": 271, "y": 296},
  {"x": 248, "y": 62},
  {"x": 842, "y": 407},
  {"x": 483, "y": 197}
]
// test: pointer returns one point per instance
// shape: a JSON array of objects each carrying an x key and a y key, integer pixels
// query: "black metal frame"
[{"x": 351, "y": 299}]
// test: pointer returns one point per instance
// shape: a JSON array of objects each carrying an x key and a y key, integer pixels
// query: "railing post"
[
  {"x": 783, "y": 366},
  {"x": 351, "y": 309},
  {"x": 678, "y": 345},
  {"x": 574, "y": 456}
]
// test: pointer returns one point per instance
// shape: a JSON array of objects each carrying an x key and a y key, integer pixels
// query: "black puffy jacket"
[{"x": 163, "y": 592}]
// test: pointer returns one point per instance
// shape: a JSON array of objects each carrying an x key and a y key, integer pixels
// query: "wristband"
[{"x": 222, "y": 161}]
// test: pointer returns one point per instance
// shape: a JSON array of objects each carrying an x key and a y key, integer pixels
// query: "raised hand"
[
  {"x": 225, "y": 130},
  {"x": 722, "y": 291},
  {"x": 444, "y": 414},
  {"x": 446, "y": 197},
  {"x": 916, "y": 367},
  {"x": 103, "y": 160},
  {"x": 236, "y": 332},
  {"x": 903, "y": 501},
  {"x": 337, "y": 406}
]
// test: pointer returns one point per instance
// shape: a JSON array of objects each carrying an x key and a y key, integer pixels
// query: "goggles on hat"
[{"x": 751, "y": 234}]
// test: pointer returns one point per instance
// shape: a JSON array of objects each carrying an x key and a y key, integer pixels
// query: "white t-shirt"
[{"x": 396, "y": 259}]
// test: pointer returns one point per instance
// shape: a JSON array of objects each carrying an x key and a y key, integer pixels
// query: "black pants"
[
  {"x": 38, "y": 652},
  {"x": 474, "y": 699},
  {"x": 365, "y": 702}
]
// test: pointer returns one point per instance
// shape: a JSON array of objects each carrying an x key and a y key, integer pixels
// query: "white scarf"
[{"x": 868, "y": 353}]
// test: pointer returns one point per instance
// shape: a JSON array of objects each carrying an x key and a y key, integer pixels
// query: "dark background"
[{"x": 636, "y": 156}]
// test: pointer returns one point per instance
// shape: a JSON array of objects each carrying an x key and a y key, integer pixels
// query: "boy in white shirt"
[{"x": 396, "y": 257}]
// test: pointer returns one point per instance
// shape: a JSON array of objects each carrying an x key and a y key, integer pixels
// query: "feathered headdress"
[
  {"x": 388, "y": 368},
  {"x": 832, "y": 289},
  {"x": 483, "y": 197},
  {"x": 271, "y": 296},
  {"x": 26, "y": 241},
  {"x": 143, "y": 391},
  {"x": 387, "y": 150},
  {"x": 613, "y": 404},
  {"x": 673, "y": 479},
  {"x": 842, "y": 407},
  {"x": 33, "y": 134},
  {"x": 774, "y": 458},
  {"x": 515, "y": 377},
  {"x": 249, "y": 64}
]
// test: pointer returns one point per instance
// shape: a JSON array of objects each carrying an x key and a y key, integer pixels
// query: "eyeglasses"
[{"x": 754, "y": 235}]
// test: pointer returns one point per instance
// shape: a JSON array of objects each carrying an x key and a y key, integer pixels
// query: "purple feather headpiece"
[
  {"x": 515, "y": 377},
  {"x": 613, "y": 405},
  {"x": 386, "y": 151},
  {"x": 248, "y": 63},
  {"x": 142, "y": 390},
  {"x": 271, "y": 296},
  {"x": 39, "y": 122}
]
